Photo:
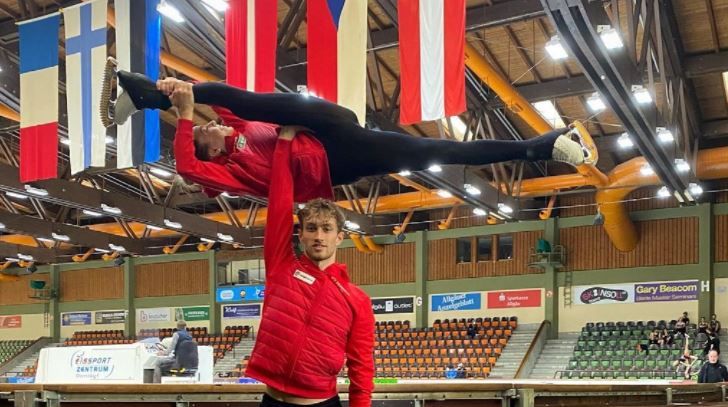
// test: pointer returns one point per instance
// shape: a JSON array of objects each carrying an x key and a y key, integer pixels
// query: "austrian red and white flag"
[
  {"x": 250, "y": 44},
  {"x": 432, "y": 59}
]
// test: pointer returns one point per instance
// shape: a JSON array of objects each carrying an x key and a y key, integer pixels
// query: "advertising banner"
[
  {"x": 110, "y": 317},
  {"x": 514, "y": 299},
  {"x": 241, "y": 311},
  {"x": 11, "y": 321},
  {"x": 667, "y": 291},
  {"x": 192, "y": 313},
  {"x": 76, "y": 318},
  {"x": 240, "y": 293},
  {"x": 393, "y": 305},
  {"x": 456, "y": 302},
  {"x": 154, "y": 315},
  {"x": 603, "y": 294}
]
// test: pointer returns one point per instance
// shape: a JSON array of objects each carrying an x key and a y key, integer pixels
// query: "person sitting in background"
[
  {"x": 680, "y": 328},
  {"x": 461, "y": 373},
  {"x": 684, "y": 318},
  {"x": 665, "y": 338},
  {"x": 715, "y": 324},
  {"x": 450, "y": 372},
  {"x": 713, "y": 343},
  {"x": 471, "y": 331},
  {"x": 702, "y": 325},
  {"x": 713, "y": 371},
  {"x": 169, "y": 356}
]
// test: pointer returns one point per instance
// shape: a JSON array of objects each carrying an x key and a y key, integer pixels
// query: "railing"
[
  {"x": 652, "y": 373},
  {"x": 534, "y": 350}
]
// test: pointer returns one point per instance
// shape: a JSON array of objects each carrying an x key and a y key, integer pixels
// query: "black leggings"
[
  {"x": 354, "y": 151},
  {"x": 269, "y": 401}
]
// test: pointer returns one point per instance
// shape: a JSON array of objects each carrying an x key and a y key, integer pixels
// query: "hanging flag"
[
  {"x": 39, "y": 98},
  {"x": 337, "y": 52},
  {"x": 85, "y": 25},
  {"x": 137, "y": 50},
  {"x": 251, "y": 28},
  {"x": 431, "y": 59}
]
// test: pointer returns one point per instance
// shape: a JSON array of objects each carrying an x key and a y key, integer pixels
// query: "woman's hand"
[{"x": 288, "y": 132}]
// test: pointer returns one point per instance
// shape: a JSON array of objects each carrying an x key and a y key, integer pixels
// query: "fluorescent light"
[
  {"x": 117, "y": 248},
  {"x": 479, "y": 212},
  {"x": 224, "y": 237},
  {"x": 12, "y": 259},
  {"x": 45, "y": 239},
  {"x": 16, "y": 195},
  {"x": 172, "y": 224},
  {"x": 160, "y": 172},
  {"x": 62, "y": 238},
  {"x": 547, "y": 109},
  {"x": 555, "y": 49},
  {"x": 641, "y": 94},
  {"x": 102, "y": 250},
  {"x": 725, "y": 84},
  {"x": 663, "y": 192},
  {"x": 36, "y": 191},
  {"x": 108, "y": 140},
  {"x": 405, "y": 173},
  {"x": 503, "y": 208},
  {"x": 471, "y": 190},
  {"x": 647, "y": 170},
  {"x": 170, "y": 12},
  {"x": 595, "y": 103},
  {"x": 25, "y": 257},
  {"x": 91, "y": 213},
  {"x": 229, "y": 195},
  {"x": 435, "y": 168},
  {"x": 110, "y": 209},
  {"x": 351, "y": 225},
  {"x": 665, "y": 135},
  {"x": 217, "y": 5},
  {"x": 624, "y": 141},
  {"x": 681, "y": 165},
  {"x": 2, "y": 225},
  {"x": 155, "y": 228},
  {"x": 610, "y": 37},
  {"x": 444, "y": 194},
  {"x": 206, "y": 240},
  {"x": 695, "y": 189},
  {"x": 65, "y": 141}
]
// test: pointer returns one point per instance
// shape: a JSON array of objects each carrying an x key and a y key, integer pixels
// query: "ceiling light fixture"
[
  {"x": 641, "y": 94},
  {"x": 110, "y": 209},
  {"x": 681, "y": 165},
  {"x": 169, "y": 11},
  {"x": 479, "y": 212},
  {"x": 624, "y": 141},
  {"x": 664, "y": 135},
  {"x": 471, "y": 190},
  {"x": 172, "y": 224},
  {"x": 595, "y": 103},
  {"x": 434, "y": 168},
  {"x": 556, "y": 49},
  {"x": 610, "y": 37}
]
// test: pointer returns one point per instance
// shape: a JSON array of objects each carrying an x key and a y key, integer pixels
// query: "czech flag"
[
  {"x": 39, "y": 98},
  {"x": 432, "y": 59},
  {"x": 337, "y": 52}
]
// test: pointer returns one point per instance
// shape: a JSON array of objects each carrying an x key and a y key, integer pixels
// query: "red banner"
[
  {"x": 514, "y": 299},
  {"x": 11, "y": 321}
]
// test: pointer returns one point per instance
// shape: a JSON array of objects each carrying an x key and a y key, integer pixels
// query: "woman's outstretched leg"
[{"x": 278, "y": 108}]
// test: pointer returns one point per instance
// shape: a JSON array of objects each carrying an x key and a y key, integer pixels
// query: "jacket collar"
[{"x": 337, "y": 270}]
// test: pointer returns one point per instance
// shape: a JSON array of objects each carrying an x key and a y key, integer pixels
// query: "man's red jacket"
[
  {"x": 246, "y": 167},
  {"x": 312, "y": 319}
]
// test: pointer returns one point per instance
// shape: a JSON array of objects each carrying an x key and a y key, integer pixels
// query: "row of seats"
[
  {"x": 667, "y": 374},
  {"x": 166, "y": 332},
  {"x": 8, "y": 349},
  {"x": 107, "y": 334},
  {"x": 426, "y": 347},
  {"x": 455, "y": 334}
]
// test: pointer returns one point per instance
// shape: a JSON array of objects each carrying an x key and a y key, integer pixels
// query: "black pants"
[
  {"x": 354, "y": 151},
  {"x": 269, "y": 401}
]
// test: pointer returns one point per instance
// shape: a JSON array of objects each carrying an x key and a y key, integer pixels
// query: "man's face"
[
  {"x": 320, "y": 237},
  {"x": 213, "y": 135},
  {"x": 713, "y": 356}
]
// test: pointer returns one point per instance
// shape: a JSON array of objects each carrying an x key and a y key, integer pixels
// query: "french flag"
[
  {"x": 85, "y": 26},
  {"x": 39, "y": 98},
  {"x": 432, "y": 59},
  {"x": 251, "y": 28},
  {"x": 138, "y": 41},
  {"x": 337, "y": 52}
]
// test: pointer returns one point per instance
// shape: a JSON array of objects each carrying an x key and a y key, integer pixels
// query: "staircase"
[
  {"x": 554, "y": 356},
  {"x": 513, "y": 353},
  {"x": 233, "y": 357},
  {"x": 18, "y": 369}
]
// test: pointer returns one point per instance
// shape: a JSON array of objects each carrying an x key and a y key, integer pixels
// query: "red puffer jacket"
[{"x": 312, "y": 318}]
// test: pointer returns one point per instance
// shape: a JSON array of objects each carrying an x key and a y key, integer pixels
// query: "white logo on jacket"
[{"x": 305, "y": 277}]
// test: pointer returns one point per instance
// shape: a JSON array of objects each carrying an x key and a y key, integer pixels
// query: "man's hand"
[
  {"x": 167, "y": 85},
  {"x": 183, "y": 99},
  {"x": 288, "y": 132}
]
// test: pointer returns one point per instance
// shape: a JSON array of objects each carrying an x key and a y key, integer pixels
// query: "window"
[
  {"x": 485, "y": 247},
  {"x": 505, "y": 247},
  {"x": 464, "y": 249}
]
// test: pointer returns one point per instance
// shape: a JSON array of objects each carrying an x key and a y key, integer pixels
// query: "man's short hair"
[
  {"x": 201, "y": 149},
  {"x": 322, "y": 208},
  {"x": 181, "y": 324}
]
